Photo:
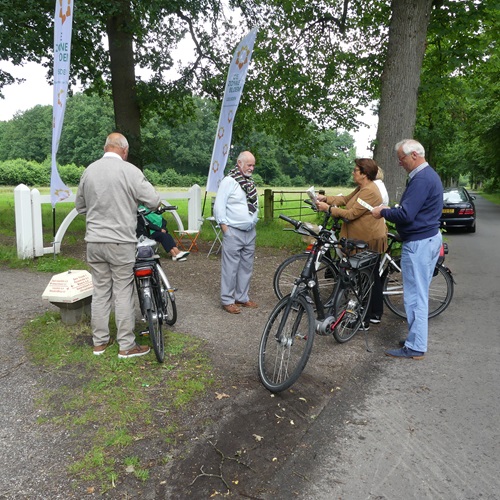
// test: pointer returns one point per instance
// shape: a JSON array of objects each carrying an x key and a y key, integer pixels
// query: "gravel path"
[
  {"x": 30, "y": 455},
  {"x": 34, "y": 458}
]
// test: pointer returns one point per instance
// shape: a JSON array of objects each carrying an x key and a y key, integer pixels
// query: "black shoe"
[
  {"x": 375, "y": 319},
  {"x": 401, "y": 343},
  {"x": 366, "y": 325}
]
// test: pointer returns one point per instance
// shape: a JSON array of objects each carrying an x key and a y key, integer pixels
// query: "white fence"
[{"x": 29, "y": 228}]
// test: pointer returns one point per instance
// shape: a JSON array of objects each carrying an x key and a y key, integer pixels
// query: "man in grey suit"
[
  {"x": 109, "y": 193},
  {"x": 236, "y": 210}
]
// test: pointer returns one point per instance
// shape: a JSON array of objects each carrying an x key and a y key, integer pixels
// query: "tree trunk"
[
  {"x": 123, "y": 83},
  {"x": 399, "y": 90}
]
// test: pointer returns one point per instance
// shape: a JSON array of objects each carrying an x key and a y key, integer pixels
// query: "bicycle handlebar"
[
  {"x": 295, "y": 223},
  {"x": 166, "y": 208},
  {"x": 160, "y": 210}
]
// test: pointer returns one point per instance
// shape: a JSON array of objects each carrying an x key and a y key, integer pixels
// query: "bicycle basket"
[{"x": 363, "y": 260}]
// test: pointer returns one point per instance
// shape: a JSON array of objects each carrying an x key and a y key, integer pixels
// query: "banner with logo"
[
  {"x": 63, "y": 20},
  {"x": 234, "y": 86}
]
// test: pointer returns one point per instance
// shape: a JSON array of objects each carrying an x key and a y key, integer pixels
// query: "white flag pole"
[
  {"x": 63, "y": 20},
  {"x": 234, "y": 86}
]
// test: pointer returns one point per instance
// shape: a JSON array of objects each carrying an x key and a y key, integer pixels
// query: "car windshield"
[{"x": 454, "y": 196}]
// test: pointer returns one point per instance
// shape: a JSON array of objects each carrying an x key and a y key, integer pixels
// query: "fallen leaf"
[
  {"x": 303, "y": 399},
  {"x": 275, "y": 459},
  {"x": 130, "y": 468},
  {"x": 292, "y": 422},
  {"x": 218, "y": 395},
  {"x": 257, "y": 437}
]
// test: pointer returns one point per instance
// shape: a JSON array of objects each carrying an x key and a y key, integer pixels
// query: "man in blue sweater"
[{"x": 417, "y": 222}]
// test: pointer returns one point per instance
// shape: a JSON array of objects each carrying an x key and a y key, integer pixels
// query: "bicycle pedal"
[{"x": 144, "y": 333}]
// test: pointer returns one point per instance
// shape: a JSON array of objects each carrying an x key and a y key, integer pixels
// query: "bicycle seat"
[{"x": 357, "y": 244}]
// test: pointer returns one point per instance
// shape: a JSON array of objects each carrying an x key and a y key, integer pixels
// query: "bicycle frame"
[
  {"x": 156, "y": 297},
  {"x": 307, "y": 281}
]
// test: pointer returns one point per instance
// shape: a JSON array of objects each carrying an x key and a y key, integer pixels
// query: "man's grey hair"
[
  {"x": 117, "y": 141},
  {"x": 408, "y": 146}
]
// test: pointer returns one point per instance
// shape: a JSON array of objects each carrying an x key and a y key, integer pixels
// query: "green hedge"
[{"x": 31, "y": 173}]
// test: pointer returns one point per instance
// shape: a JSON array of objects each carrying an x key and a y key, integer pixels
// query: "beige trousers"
[{"x": 111, "y": 266}]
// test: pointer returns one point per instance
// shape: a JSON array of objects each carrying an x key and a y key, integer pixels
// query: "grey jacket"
[{"x": 109, "y": 193}]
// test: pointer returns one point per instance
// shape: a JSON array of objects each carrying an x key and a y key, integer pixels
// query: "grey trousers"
[
  {"x": 111, "y": 266},
  {"x": 238, "y": 249}
]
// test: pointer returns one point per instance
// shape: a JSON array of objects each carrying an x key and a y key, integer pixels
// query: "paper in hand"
[
  {"x": 312, "y": 195},
  {"x": 364, "y": 204}
]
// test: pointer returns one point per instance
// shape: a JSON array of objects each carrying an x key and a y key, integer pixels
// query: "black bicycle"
[
  {"x": 440, "y": 291},
  {"x": 156, "y": 295},
  {"x": 289, "y": 332}
]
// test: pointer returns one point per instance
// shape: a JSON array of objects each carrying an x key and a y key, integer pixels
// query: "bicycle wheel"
[
  {"x": 440, "y": 291},
  {"x": 154, "y": 317},
  {"x": 169, "y": 307},
  {"x": 290, "y": 269},
  {"x": 351, "y": 303},
  {"x": 286, "y": 343},
  {"x": 168, "y": 296}
]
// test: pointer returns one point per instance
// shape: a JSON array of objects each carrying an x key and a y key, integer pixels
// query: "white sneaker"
[{"x": 181, "y": 256}]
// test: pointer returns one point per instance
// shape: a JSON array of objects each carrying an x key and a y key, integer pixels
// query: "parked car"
[{"x": 458, "y": 209}]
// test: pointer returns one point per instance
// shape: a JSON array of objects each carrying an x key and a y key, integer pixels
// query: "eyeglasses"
[{"x": 401, "y": 158}]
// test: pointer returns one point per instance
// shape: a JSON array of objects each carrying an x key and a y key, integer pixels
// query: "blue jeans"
[{"x": 418, "y": 260}]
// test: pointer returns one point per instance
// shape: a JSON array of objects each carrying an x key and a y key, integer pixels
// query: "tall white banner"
[
  {"x": 63, "y": 20},
  {"x": 234, "y": 86}
]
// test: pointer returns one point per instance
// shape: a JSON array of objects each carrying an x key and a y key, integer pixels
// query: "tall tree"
[
  {"x": 140, "y": 34},
  {"x": 458, "y": 109},
  {"x": 399, "y": 85}
]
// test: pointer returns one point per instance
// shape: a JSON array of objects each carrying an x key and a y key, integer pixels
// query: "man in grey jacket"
[{"x": 109, "y": 193}]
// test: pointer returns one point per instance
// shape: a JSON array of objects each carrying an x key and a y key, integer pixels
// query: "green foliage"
[
  {"x": 28, "y": 135},
  {"x": 312, "y": 59},
  {"x": 459, "y": 111},
  {"x": 14, "y": 172},
  {"x": 87, "y": 122},
  {"x": 31, "y": 173},
  {"x": 176, "y": 156}
]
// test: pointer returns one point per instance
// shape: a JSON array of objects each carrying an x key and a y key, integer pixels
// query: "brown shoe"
[
  {"x": 231, "y": 309},
  {"x": 248, "y": 303},
  {"x": 99, "y": 349},
  {"x": 137, "y": 350}
]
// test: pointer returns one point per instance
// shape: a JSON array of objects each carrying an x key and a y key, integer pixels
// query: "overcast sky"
[{"x": 36, "y": 90}]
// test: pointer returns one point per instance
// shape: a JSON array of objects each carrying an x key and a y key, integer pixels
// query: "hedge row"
[{"x": 31, "y": 173}]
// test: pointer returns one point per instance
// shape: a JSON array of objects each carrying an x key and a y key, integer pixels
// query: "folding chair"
[
  {"x": 218, "y": 237},
  {"x": 186, "y": 238}
]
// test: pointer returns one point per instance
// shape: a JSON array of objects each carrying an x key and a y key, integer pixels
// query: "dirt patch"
[{"x": 235, "y": 438}]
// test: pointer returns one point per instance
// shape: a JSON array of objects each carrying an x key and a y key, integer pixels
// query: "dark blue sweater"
[{"x": 420, "y": 208}]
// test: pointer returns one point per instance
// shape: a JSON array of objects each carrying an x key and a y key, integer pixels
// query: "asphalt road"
[{"x": 420, "y": 429}]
